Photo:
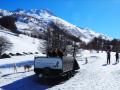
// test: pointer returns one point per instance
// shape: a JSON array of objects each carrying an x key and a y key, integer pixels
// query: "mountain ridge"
[{"x": 39, "y": 19}]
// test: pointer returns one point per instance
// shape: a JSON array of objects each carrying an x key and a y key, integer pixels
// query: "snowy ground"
[
  {"x": 95, "y": 75},
  {"x": 21, "y": 43}
]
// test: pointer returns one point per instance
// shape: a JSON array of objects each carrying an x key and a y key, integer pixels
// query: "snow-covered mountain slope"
[
  {"x": 39, "y": 19},
  {"x": 21, "y": 43}
]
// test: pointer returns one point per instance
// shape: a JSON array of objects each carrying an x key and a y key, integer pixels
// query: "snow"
[
  {"x": 5, "y": 12},
  {"x": 95, "y": 75},
  {"x": 22, "y": 25},
  {"x": 21, "y": 43},
  {"x": 39, "y": 19},
  {"x": 7, "y": 71}
]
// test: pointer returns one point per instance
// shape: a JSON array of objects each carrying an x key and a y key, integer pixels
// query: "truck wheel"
[
  {"x": 43, "y": 80},
  {"x": 69, "y": 75},
  {"x": 73, "y": 72},
  {"x": 46, "y": 71},
  {"x": 36, "y": 71}
]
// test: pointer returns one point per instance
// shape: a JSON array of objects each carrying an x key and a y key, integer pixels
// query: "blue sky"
[{"x": 100, "y": 15}]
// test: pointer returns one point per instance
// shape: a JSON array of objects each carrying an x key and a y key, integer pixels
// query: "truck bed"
[{"x": 55, "y": 65}]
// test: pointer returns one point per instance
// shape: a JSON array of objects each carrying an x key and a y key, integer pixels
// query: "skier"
[
  {"x": 117, "y": 57},
  {"x": 108, "y": 57}
]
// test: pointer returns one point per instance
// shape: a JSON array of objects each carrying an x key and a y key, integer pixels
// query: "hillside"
[
  {"x": 21, "y": 43},
  {"x": 37, "y": 20}
]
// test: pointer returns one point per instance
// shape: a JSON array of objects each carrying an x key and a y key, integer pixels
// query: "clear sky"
[{"x": 100, "y": 15}]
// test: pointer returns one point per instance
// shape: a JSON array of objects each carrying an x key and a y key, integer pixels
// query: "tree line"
[{"x": 100, "y": 44}]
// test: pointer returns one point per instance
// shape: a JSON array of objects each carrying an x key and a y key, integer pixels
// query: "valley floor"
[{"x": 95, "y": 75}]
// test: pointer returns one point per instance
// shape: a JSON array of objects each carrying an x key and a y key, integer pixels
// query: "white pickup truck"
[{"x": 53, "y": 66}]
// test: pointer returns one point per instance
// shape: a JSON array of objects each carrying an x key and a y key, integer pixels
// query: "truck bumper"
[{"x": 48, "y": 72}]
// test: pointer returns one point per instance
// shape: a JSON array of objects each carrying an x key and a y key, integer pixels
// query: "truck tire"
[
  {"x": 46, "y": 71},
  {"x": 69, "y": 74},
  {"x": 36, "y": 72}
]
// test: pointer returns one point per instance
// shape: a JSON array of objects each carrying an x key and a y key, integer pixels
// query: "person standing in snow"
[
  {"x": 15, "y": 68},
  {"x": 86, "y": 60},
  {"x": 108, "y": 57},
  {"x": 117, "y": 57}
]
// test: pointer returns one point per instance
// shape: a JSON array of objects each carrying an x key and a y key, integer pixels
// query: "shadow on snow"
[
  {"x": 104, "y": 64},
  {"x": 11, "y": 74},
  {"x": 34, "y": 83},
  {"x": 28, "y": 83},
  {"x": 17, "y": 64}
]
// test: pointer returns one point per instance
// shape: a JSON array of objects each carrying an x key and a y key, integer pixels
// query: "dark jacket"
[{"x": 117, "y": 55}]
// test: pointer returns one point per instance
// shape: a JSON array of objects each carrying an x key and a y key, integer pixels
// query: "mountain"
[{"x": 37, "y": 20}]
